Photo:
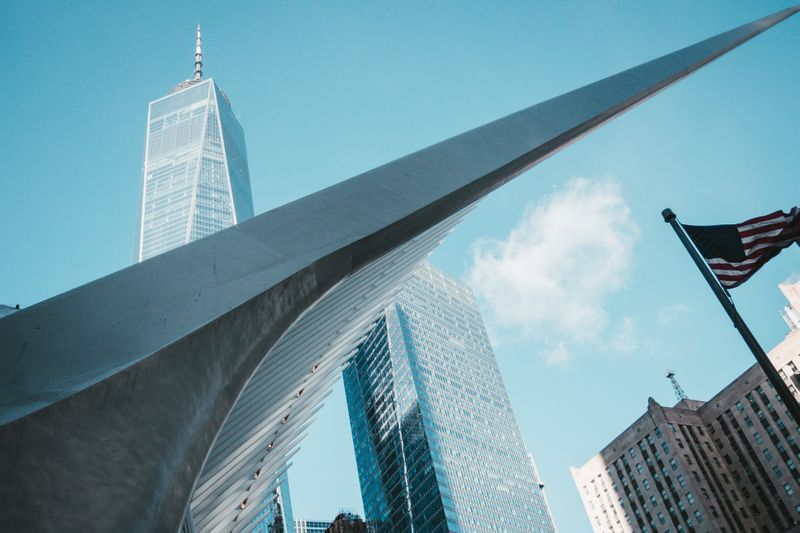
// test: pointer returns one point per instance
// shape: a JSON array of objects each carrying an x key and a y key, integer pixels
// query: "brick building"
[{"x": 726, "y": 465}]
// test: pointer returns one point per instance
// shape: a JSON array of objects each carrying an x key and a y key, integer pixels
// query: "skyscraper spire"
[{"x": 198, "y": 57}]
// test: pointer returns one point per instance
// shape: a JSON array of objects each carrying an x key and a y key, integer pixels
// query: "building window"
[
  {"x": 788, "y": 488},
  {"x": 665, "y": 447},
  {"x": 681, "y": 480},
  {"x": 758, "y": 437},
  {"x": 699, "y": 516}
]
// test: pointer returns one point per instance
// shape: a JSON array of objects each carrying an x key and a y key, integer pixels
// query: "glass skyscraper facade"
[
  {"x": 276, "y": 515},
  {"x": 436, "y": 442},
  {"x": 196, "y": 180}
]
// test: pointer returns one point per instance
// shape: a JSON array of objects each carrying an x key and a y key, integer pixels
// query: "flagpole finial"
[
  {"x": 198, "y": 56},
  {"x": 668, "y": 215}
]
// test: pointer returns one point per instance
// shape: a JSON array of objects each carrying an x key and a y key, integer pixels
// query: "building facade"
[
  {"x": 343, "y": 523},
  {"x": 791, "y": 313},
  {"x": 195, "y": 176},
  {"x": 196, "y": 182},
  {"x": 311, "y": 526},
  {"x": 276, "y": 514},
  {"x": 436, "y": 442},
  {"x": 726, "y": 465},
  {"x": 540, "y": 483}
]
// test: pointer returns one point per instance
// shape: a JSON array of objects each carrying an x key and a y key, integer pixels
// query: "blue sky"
[{"x": 327, "y": 90}]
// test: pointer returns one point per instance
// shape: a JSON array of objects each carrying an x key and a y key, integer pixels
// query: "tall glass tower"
[
  {"x": 195, "y": 176},
  {"x": 196, "y": 182},
  {"x": 436, "y": 442}
]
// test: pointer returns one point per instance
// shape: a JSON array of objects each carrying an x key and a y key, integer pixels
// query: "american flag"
[{"x": 734, "y": 252}]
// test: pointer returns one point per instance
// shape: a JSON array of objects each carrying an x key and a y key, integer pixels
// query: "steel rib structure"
[
  {"x": 174, "y": 384},
  {"x": 249, "y": 442}
]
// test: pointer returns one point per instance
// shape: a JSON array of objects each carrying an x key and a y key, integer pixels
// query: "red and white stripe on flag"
[{"x": 762, "y": 239}]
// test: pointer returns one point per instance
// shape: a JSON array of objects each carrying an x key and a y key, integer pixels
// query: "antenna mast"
[
  {"x": 198, "y": 57},
  {"x": 676, "y": 387}
]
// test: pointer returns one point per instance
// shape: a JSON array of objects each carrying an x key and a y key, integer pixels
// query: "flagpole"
[{"x": 772, "y": 375}]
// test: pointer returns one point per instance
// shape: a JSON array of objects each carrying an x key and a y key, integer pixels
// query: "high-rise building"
[
  {"x": 276, "y": 511},
  {"x": 196, "y": 182},
  {"x": 791, "y": 313},
  {"x": 311, "y": 526},
  {"x": 728, "y": 464},
  {"x": 195, "y": 177},
  {"x": 540, "y": 483},
  {"x": 436, "y": 442},
  {"x": 343, "y": 523}
]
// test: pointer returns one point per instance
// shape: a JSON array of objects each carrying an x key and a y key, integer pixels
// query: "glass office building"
[
  {"x": 311, "y": 526},
  {"x": 195, "y": 183},
  {"x": 195, "y": 176},
  {"x": 436, "y": 442},
  {"x": 276, "y": 513}
]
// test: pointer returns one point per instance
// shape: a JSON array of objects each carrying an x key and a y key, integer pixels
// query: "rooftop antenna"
[
  {"x": 676, "y": 387},
  {"x": 198, "y": 57}
]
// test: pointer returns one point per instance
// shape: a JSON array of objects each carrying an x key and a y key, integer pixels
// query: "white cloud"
[
  {"x": 670, "y": 313},
  {"x": 559, "y": 355},
  {"x": 625, "y": 339},
  {"x": 550, "y": 278}
]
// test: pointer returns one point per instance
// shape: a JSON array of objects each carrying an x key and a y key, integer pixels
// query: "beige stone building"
[{"x": 726, "y": 465}]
